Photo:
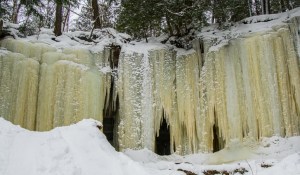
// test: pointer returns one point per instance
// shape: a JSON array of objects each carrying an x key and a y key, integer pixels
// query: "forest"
[{"x": 139, "y": 18}]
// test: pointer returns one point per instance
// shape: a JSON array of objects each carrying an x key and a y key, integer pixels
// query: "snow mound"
[
  {"x": 79, "y": 149},
  {"x": 275, "y": 155}
]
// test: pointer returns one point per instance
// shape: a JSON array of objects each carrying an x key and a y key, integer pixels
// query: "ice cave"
[{"x": 158, "y": 97}]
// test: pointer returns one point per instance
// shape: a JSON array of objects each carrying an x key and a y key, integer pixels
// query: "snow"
[
  {"x": 73, "y": 150},
  {"x": 245, "y": 27},
  {"x": 81, "y": 149},
  {"x": 100, "y": 39}
]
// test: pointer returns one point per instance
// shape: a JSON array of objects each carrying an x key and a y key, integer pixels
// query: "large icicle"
[
  {"x": 18, "y": 89},
  {"x": 130, "y": 90},
  {"x": 68, "y": 91}
]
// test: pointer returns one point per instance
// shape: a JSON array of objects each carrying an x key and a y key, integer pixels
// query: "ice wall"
[
  {"x": 18, "y": 88},
  {"x": 244, "y": 90},
  {"x": 42, "y": 88}
]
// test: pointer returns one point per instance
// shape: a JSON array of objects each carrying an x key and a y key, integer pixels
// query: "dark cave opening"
[
  {"x": 111, "y": 112},
  {"x": 216, "y": 144},
  {"x": 109, "y": 122},
  {"x": 162, "y": 142},
  {"x": 108, "y": 129}
]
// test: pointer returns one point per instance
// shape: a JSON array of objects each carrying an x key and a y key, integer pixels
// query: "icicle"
[{"x": 18, "y": 89}]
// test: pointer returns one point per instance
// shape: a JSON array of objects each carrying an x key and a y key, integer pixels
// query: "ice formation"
[
  {"x": 244, "y": 90},
  {"x": 42, "y": 88}
]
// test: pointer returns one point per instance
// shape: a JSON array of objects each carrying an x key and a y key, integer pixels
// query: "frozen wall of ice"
[
  {"x": 42, "y": 88},
  {"x": 245, "y": 90}
]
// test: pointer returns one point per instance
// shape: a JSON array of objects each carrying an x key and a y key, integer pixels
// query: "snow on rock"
[
  {"x": 79, "y": 149},
  {"x": 97, "y": 41},
  {"x": 289, "y": 165},
  {"x": 215, "y": 38}
]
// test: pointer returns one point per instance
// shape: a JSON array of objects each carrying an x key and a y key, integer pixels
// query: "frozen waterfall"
[{"x": 244, "y": 90}]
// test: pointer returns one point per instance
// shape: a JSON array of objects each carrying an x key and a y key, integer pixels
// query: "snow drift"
[{"x": 77, "y": 149}]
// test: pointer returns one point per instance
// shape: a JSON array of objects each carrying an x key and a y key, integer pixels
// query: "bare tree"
[
  {"x": 96, "y": 15},
  {"x": 16, "y": 10},
  {"x": 66, "y": 19},
  {"x": 58, "y": 18}
]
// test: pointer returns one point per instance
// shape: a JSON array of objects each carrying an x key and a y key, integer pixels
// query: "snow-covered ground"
[{"x": 81, "y": 149}]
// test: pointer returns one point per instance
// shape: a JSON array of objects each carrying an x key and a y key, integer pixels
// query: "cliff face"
[{"x": 244, "y": 90}]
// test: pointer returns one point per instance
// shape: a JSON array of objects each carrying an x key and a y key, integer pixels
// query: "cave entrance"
[
  {"x": 111, "y": 112},
  {"x": 216, "y": 142},
  {"x": 108, "y": 129},
  {"x": 109, "y": 121},
  {"x": 162, "y": 142}
]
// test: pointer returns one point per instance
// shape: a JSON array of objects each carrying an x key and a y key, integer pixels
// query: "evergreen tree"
[
  {"x": 139, "y": 17},
  {"x": 84, "y": 23},
  {"x": 152, "y": 17},
  {"x": 5, "y": 9}
]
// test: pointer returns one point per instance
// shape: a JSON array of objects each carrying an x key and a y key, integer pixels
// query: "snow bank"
[
  {"x": 79, "y": 149},
  {"x": 275, "y": 155}
]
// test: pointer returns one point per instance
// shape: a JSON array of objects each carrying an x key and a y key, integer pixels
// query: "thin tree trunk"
[
  {"x": 288, "y": 5},
  {"x": 169, "y": 26},
  {"x": 58, "y": 19},
  {"x": 258, "y": 12},
  {"x": 282, "y": 7},
  {"x": 250, "y": 7},
  {"x": 1, "y": 25},
  {"x": 16, "y": 9},
  {"x": 267, "y": 6},
  {"x": 263, "y": 7},
  {"x": 48, "y": 21},
  {"x": 96, "y": 17},
  {"x": 66, "y": 20}
]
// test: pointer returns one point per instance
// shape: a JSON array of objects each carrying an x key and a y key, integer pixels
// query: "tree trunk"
[
  {"x": 257, "y": 9},
  {"x": 263, "y": 7},
  {"x": 1, "y": 25},
  {"x": 58, "y": 19},
  {"x": 249, "y": 7},
  {"x": 16, "y": 9},
  {"x": 169, "y": 26},
  {"x": 47, "y": 22},
  {"x": 66, "y": 20},
  {"x": 96, "y": 15},
  {"x": 268, "y": 6},
  {"x": 282, "y": 6},
  {"x": 288, "y": 5}
]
